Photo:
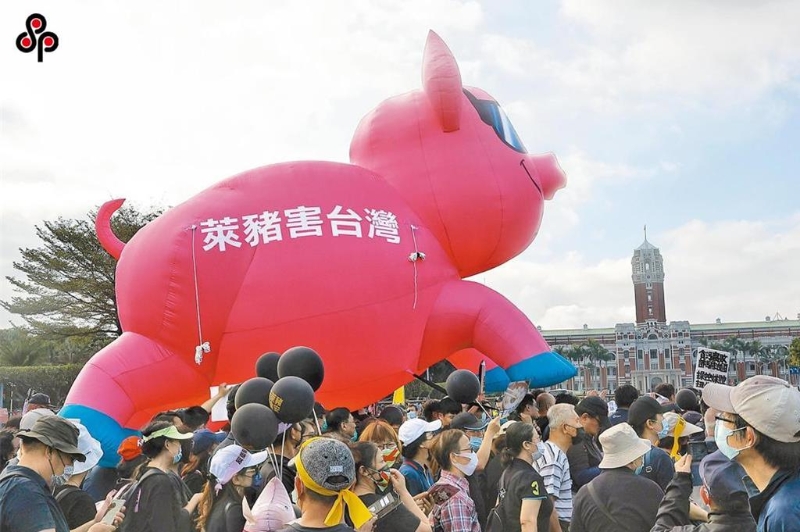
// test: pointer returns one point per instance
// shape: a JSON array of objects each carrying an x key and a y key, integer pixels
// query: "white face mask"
[{"x": 470, "y": 467}]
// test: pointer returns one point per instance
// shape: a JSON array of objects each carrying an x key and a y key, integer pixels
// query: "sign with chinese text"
[{"x": 711, "y": 366}]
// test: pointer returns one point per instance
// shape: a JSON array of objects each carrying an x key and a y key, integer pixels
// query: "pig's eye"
[{"x": 492, "y": 114}]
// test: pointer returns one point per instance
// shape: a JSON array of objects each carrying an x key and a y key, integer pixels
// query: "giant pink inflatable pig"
[{"x": 363, "y": 262}]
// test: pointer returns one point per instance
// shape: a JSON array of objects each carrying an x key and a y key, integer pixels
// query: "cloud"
[{"x": 737, "y": 270}]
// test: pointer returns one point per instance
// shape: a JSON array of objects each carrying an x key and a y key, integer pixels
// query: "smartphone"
[
  {"x": 441, "y": 493},
  {"x": 113, "y": 510},
  {"x": 384, "y": 505},
  {"x": 698, "y": 450}
]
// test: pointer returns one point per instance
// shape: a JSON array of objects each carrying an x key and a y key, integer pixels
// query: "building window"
[
  {"x": 668, "y": 362},
  {"x": 648, "y": 286},
  {"x": 680, "y": 353},
  {"x": 649, "y": 297},
  {"x": 626, "y": 354},
  {"x": 683, "y": 368},
  {"x": 650, "y": 310}
]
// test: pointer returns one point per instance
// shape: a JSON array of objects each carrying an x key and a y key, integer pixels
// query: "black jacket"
[
  {"x": 673, "y": 514},
  {"x": 631, "y": 500}
]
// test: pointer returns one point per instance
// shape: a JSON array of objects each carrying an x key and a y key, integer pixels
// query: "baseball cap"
[
  {"x": 723, "y": 478},
  {"x": 90, "y": 448},
  {"x": 130, "y": 448},
  {"x": 39, "y": 399},
  {"x": 644, "y": 408},
  {"x": 203, "y": 439},
  {"x": 230, "y": 460},
  {"x": 56, "y": 432},
  {"x": 467, "y": 421},
  {"x": 768, "y": 404},
  {"x": 595, "y": 407},
  {"x": 621, "y": 446},
  {"x": 413, "y": 429},
  {"x": 326, "y": 466}
]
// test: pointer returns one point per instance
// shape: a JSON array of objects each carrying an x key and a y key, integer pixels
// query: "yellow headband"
[
  {"x": 359, "y": 513},
  {"x": 679, "y": 426}
]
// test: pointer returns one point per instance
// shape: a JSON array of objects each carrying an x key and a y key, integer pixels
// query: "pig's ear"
[{"x": 441, "y": 81}]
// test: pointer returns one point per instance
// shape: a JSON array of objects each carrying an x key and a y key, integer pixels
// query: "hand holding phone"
[{"x": 111, "y": 514}]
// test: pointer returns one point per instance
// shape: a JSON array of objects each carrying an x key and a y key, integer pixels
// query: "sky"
[{"x": 679, "y": 115}]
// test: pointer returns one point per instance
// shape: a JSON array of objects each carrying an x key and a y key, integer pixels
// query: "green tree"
[
  {"x": 794, "y": 352},
  {"x": 20, "y": 348},
  {"x": 67, "y": 284}
]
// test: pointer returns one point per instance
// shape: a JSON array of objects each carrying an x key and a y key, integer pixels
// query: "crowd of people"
[{"x": 721, "y": 458}]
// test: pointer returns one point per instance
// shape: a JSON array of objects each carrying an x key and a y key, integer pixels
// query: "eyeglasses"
[
  {"x": 386, "y": 446},
  {"x": 726, "y": 420}
]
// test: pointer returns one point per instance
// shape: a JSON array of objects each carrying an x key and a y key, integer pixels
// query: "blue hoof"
[
  {"x": 102, "y": 428},
  {"x": 496, "y": 380},
  {"x": 544, "y": 369}
]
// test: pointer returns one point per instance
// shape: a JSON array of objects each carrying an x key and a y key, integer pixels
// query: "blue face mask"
[
  {"x": 475, "y": 442},
  {"x": 355, "y": 436},
  {"x": 664, "y": 429},
  {"x": 412, "y": 415},
  {"x": 178, "y": 456},
  {"x": 721, "y": 434},
  {"x": 639, "y": 469}
]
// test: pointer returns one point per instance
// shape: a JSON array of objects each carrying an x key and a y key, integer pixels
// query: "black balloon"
[
  {"x": 255, "y": 390},
  {"x": 463, "y": 386},
  {"x": 292, "y": 399},
  {"x": 254, "y": 426},
  {"x": 267, "y": 366},
  {"x": 302, "y": 362}
]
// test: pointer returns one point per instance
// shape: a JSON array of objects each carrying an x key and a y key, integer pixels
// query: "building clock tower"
[{"x": 648, "y": 283}]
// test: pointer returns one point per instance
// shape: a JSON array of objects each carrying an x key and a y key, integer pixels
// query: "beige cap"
[
  {"x": 504, "y": 426},
  {"x": 769, "y": 404},
  {"x": 689, "y": 429},
  {"x": 621, "y": 446}
]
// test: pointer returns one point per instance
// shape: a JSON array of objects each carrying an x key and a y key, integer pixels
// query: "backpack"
[
  {"x": 494, "y": 522},
  {"x": 131, "y": 493},
  {"x": 66, "y": 491}
]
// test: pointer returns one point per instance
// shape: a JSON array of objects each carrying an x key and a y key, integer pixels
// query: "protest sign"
[{"x": 711, "y": 366}]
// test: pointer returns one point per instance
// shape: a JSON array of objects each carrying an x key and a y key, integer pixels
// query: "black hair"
[
  {"x": 527, "y": 401},
  {"x": 516, "y": 435},
  {"x": 430, "y": 408},
  {"x": 6, "y": 447},
  {"x": 449, "y": 405},
  {"x": 336, "y": 418},
  {"x": 195, "y": 417},
  {"x": 154, "y": 447},
  {"x": 625, "y": 395},
  {"x": 127, "y": 468},
  {"x": 364, "y": 453},
  {"x": 410, "y": 451},
  {"x": 665, "y": 389},
  {"x": 778, "y": 454},
  {"x": 392, "y": 415},
  {"x": 230, "y": 406},
  {"x": 567, "y": 398},
  {"x": 168, "y": 416},
  {"x": 13, "y": 423}
]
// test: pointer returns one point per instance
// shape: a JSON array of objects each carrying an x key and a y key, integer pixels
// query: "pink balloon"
[{"x": 361, "y": 262}]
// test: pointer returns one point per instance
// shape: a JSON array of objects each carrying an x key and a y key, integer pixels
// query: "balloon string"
[
  {"x": 279, "y": 470},
  {"x": 416, "y": 255},
  {"x": 200, "y": 346},
  {"x": 316, "y": 420}
]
